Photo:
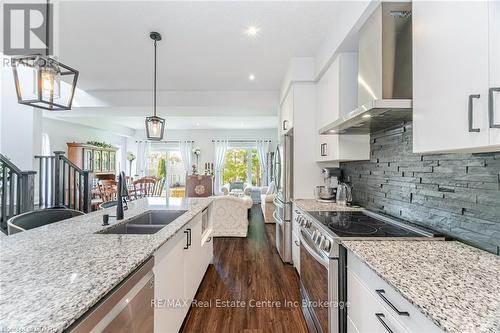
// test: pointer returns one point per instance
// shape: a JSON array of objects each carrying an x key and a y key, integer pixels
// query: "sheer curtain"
[
  {"x": 262, "y": 150},
  {"x": 186, "y": 148},
  {"x": 142, "y": 158},
  {"x": 220, "y": 157}
]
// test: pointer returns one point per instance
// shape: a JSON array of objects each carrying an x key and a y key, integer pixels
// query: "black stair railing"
[
  {"x": 62, "y": 183},
  {"x": 17, "y": 191}
]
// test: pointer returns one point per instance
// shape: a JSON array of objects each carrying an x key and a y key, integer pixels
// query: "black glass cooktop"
[{"x": 358, "y": 224}]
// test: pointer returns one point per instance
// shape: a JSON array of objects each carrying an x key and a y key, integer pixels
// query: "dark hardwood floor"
[{"x": 250, "y": 270}]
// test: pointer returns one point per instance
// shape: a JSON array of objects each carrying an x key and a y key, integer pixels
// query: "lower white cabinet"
[
  {"x": 374, "y": 306},
  {"x": 296, "y": 251},
  {"x": 180, "y": 265}
]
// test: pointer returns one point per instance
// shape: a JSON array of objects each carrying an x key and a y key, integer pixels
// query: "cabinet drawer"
[
  {"x": 415, "y": 321},
  {"x": 365, "y": 312}
]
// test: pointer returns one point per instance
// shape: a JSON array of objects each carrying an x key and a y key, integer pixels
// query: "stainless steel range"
[{"x": 323, "y": 260}]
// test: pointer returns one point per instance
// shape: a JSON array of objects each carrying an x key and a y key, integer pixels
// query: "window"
[
  {"x": 242, "y": 164},
  {"x": 167, "y": 163}
]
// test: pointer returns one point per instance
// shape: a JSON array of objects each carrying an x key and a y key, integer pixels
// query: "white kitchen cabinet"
[
  {"x": 180, "y": 265},
  {"x": 169, "y": 285},
  {"x": 337, "y": 96},
  {"x": 454, "y": 65},
  {"x": 286, "y": 112},
  {"x": 494, "y": 64},
  {"x": 296, "y": 251},
  {"x": 368, "y": 308}
]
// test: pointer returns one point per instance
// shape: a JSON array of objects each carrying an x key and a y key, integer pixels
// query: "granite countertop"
[
  {"x": 314, "y": 205},
  {"x": 52, "y": 275},
  {"x": 455, "y": 285}
]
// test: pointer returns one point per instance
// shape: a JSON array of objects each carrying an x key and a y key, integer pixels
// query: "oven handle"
[{"x": 310, "y": 249}]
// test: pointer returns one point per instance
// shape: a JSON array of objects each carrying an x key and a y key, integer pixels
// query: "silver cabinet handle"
[
  {"x": 471, "y": 116},
  {"x": 381, "y": 293},
  {"x": 284, "y": 125},
  {"x": 380, "y": 317},
  {"x": 491, "y": 106}
]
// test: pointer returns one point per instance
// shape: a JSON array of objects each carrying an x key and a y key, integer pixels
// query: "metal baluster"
[
  {"x": 46, "y": 194},
  {"x": 4, "y": 197},
  {"x": 63, "y": 183},
  {"x": 11, "y": 194},
  {"x": 40, "y": 180},
  {"x": 74, "y": 189}
]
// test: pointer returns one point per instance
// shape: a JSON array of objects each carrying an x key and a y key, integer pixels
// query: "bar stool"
[{"x": 38, "y": 218}]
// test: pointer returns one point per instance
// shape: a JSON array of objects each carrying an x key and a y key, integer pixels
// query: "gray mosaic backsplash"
[{"x": 456, "y": 194}]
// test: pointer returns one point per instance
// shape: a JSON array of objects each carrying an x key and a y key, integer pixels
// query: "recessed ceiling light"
[
  {"x": 197, "y": 124},
  {"x": 252, "y": 31},
  {"x": 251, "y": 77}
]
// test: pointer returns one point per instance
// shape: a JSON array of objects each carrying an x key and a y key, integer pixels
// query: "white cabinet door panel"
[
  {"x": 494, "y": 49},
  {"x": 450, "y": 63},
  {"x": 169, "y": 285}
]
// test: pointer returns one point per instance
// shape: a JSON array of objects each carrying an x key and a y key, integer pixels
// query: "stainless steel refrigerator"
[{"x": 283, "y": 171}]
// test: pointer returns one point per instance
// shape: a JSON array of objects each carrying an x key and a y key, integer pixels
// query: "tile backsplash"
[{"x": 456, "y": 194}]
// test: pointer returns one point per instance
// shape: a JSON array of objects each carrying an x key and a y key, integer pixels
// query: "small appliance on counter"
[
  {"x": 328, "y": 192},
  {"x": 344, "y": 193}
]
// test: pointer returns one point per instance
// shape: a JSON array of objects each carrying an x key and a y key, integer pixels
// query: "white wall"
[
  {"x": 203, "y": 139},
  {"x": 61, "y": 132},
  {"x": 20, "y": 125}
]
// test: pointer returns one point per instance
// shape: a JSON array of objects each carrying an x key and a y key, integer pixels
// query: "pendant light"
[
  {"x": 155, "y": 126},
  {"x": 38, "y": 78}
]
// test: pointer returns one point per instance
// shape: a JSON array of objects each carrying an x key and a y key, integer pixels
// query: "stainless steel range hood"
[{"x": 384, "y": 73}]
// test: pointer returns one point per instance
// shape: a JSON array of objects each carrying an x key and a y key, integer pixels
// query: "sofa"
[
  {"x": 267, "y": 204},
  {"x": 227, "y": 188},
  {"x": 229, "y": 216}
]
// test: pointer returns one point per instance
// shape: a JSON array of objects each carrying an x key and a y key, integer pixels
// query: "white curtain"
[
  {"x": 262, "y": 150},
  {"x": 142, "y": 158},
  {"x": 220, "y": 158},
  {"x": 186, "y": 154}
]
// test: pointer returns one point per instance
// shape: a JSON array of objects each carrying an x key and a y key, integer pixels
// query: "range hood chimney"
[{"x": 384, "y": 73}]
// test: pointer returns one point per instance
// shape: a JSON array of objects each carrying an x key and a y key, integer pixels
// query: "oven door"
[{"x": 314, "y": 278}]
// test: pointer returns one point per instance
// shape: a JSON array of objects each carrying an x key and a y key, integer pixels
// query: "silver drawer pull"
[
  {"x": 471, "y": 115},
  {"x": 381, "y": 293},
  {"x": 380, "y": 317},
  {"x": 491, "y": 106}
]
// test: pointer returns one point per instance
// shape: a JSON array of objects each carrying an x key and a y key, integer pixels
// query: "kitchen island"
[{"x": 52, "y": 275}]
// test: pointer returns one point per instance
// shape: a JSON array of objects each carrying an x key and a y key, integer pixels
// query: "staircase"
[
  {"x": 16, "y": 191},
  {"x": 63, "y": 184},
  {"x": 59, "y": 183}
]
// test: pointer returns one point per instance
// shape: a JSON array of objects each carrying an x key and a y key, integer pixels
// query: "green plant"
[
  {"x": 100, "y": 144},
  {"x": 162, "y": 168}
]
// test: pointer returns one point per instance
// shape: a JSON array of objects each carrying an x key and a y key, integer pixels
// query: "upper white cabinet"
[
  {"x": 337, "y": 96},
  {"x": 455, "y": 64},
  {"x": 286, "y": 113}
]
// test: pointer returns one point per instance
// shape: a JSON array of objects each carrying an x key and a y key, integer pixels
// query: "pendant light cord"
[
  {"x": 154, "y": 88},
  {"x": 47, "y": 25}
]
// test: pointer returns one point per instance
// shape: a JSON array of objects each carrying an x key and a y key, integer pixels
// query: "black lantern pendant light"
[
  {"x": 155, "y": 126},
  {"x": 38, "y": 79}
]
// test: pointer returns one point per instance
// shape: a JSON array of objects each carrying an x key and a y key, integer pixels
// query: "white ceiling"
[
  {"x": 204, "y": 59},
  {"x": 204, "y": 46}
]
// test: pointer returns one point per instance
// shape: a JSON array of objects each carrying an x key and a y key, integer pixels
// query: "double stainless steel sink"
[{"x": 147, "y": 223}]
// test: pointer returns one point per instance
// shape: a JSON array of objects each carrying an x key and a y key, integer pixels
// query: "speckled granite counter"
[
  {"x": 313, "y": 205},
  {"x": 50, "y": 276},
  {"x": 455, "y": 285}
]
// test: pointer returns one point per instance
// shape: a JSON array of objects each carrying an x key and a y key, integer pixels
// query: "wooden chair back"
[
  {"x": 108, "y": 189},
  {"x": 144, "y": 187}
]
